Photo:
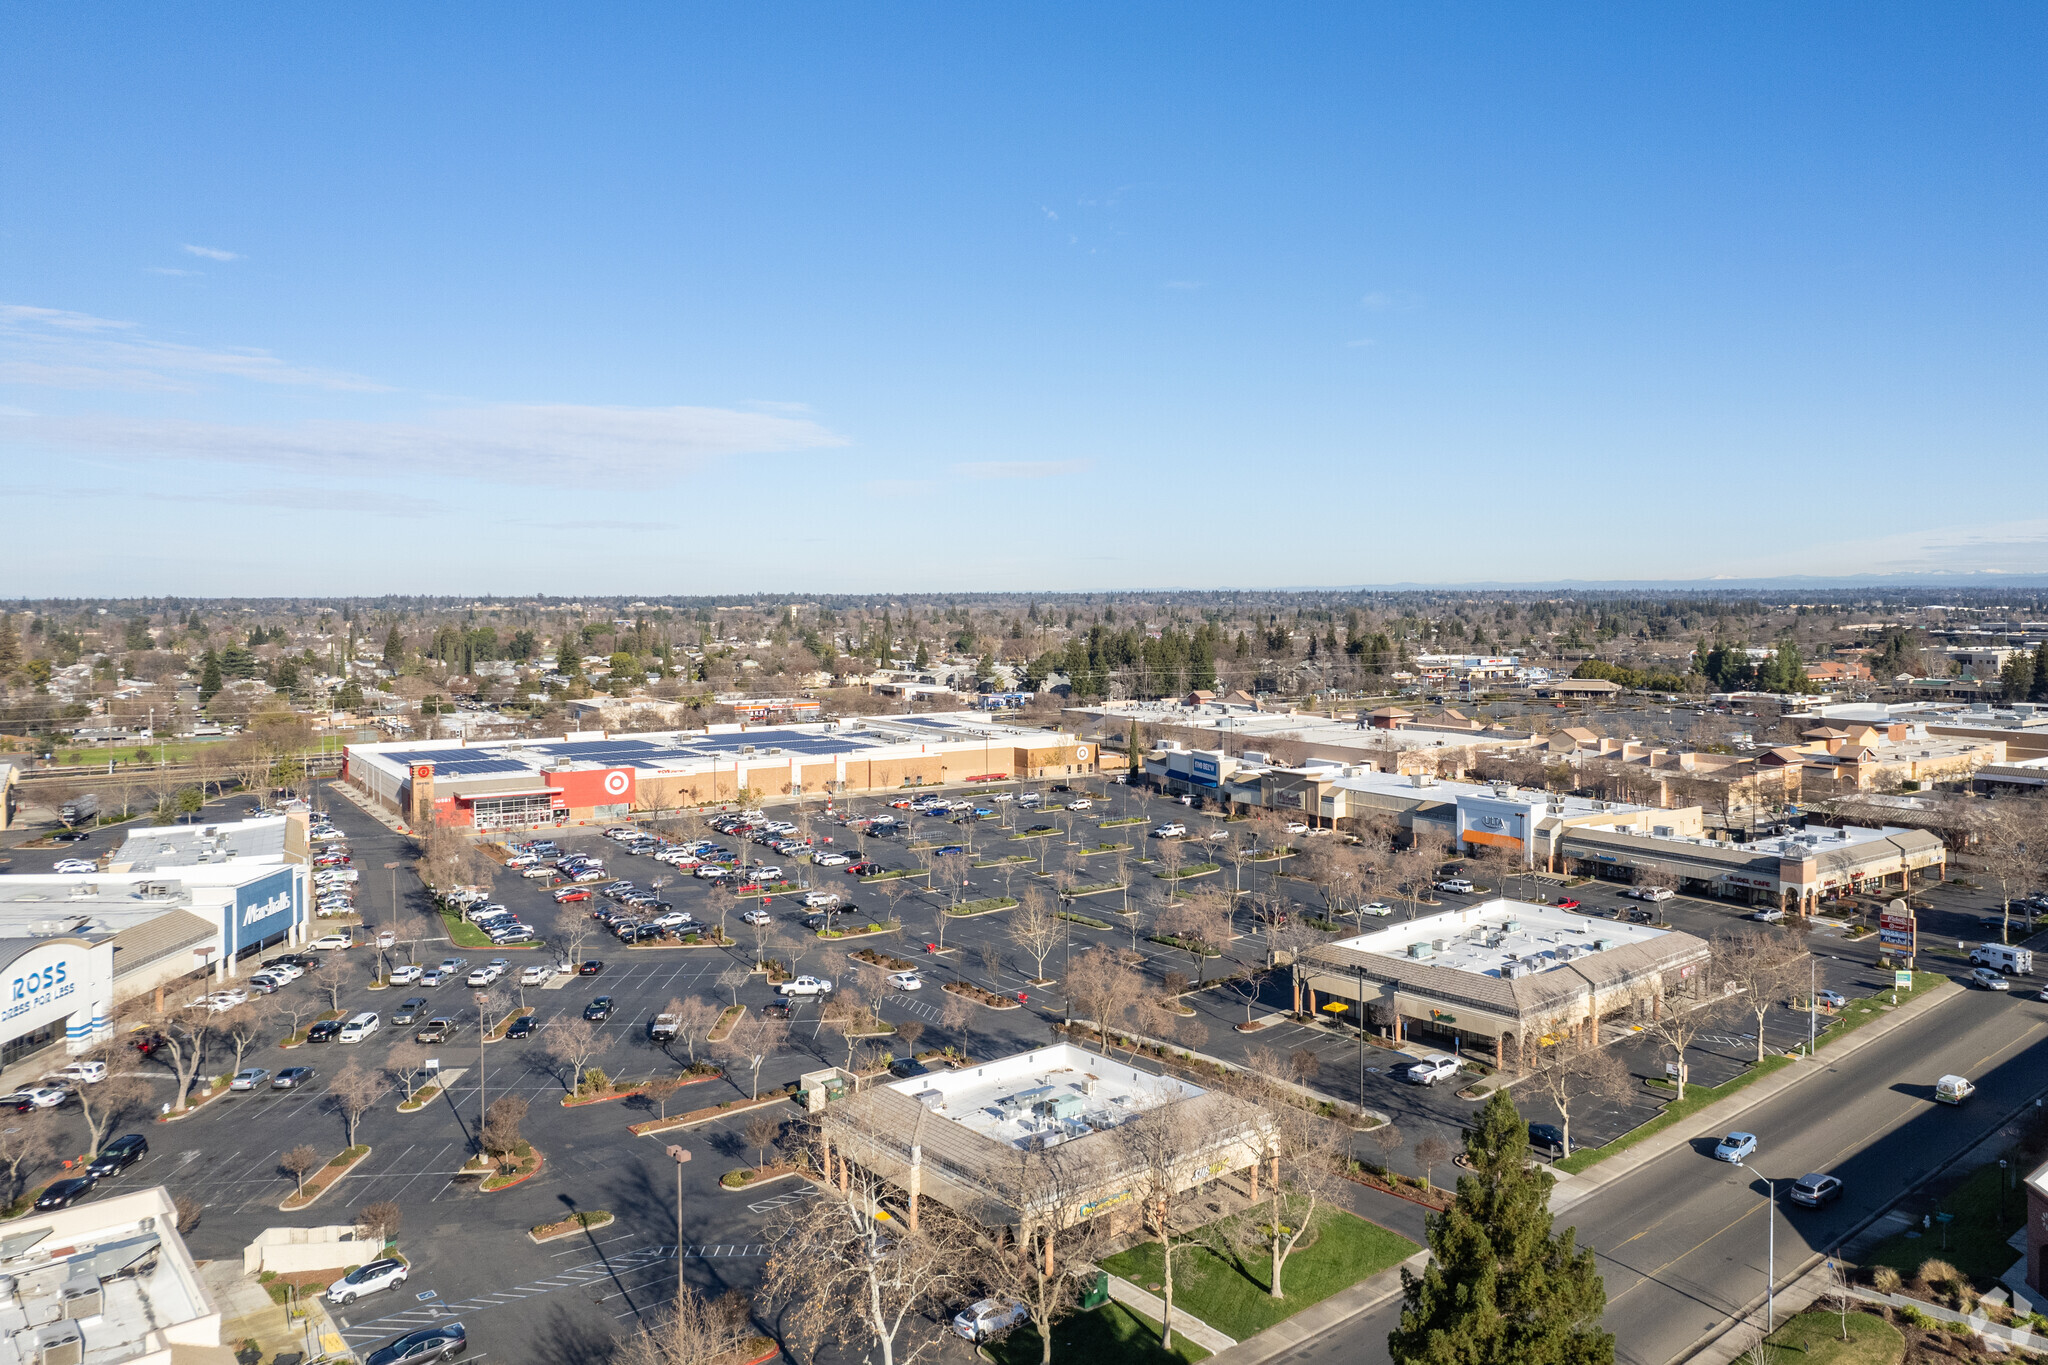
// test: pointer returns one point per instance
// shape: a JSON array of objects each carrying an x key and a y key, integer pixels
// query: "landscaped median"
[
  {"x": 587, "y": 1220},
  {"x": 1120, "y": 822},
  {"x": 462, "y": 933},
  {"x": 1192, "y": 870},
  {"x": 503, "y": 1170},
  {"x": 1849, "y": 1018},
  {"x": 746, "y": 1177},
  {"x": 1007, "y": 860},
  {"x": 986, "y": 906},
  {"x": 1092, "y": 889},
  {"x": 596, "y": 1088},
  {"x": 722, "y": 1030},
  {"x": 862, "y": 930},
  {"x": 497, "y": 1032},
  {"x": 1094, "y": 849},
  {"x": 980, "y": 996},
  {"x": 713, "y": 1111},
  {"x": 892, "y": 874},
  {"x": 325, "y": 1178},
  {"x": 1088, "y": 920}
]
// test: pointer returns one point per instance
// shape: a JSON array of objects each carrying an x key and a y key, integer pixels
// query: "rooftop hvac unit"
[
  {"x": 1662, "y": 831},
  {"x": 1601, "y": 945},
  {"x": 1418, "y": 951},
  {"x": 746, "y": 748},
  {"x": 1440, "y": 944},
  {"x": 83, "y": 1297},
  {"x": 60, "y": 1344},
  {"x": 1510, "y": 926}
]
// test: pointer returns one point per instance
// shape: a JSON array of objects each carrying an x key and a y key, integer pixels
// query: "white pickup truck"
[{"x": 805, "y": 986}]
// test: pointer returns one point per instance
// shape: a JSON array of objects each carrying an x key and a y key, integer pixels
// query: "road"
[{"x": 1682, "y": 1242}]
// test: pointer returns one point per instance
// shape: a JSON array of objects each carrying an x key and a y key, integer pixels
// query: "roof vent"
[{"x": 1418, "y": 951}]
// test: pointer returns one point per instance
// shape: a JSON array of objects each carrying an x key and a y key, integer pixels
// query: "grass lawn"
[
  {"x": 1230, "y": 1294},
  {"x": 1976, "y": 1238},
  {"x": 1862, "y": 1010},
  {"x": 1816, "y": 1339},
  {"x": 1111, "y": 1334},
  {"x": 464, "y": 934}
]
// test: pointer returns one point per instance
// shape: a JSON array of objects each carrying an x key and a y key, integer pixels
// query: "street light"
[
  {"x": 679, "y": 1155},
  {"x": 1771, "y": 1264}
]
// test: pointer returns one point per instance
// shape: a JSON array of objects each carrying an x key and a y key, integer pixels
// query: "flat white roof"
[
  {"x": 1045, "y": 1096},
  {"x": 1500, "y": 938},
  {"x": 178, "y": 845}
]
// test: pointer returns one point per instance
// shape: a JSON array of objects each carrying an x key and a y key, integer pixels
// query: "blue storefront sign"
[
  {"x": 1205, "y": 771},
  {"x": 264, "y": 909}
]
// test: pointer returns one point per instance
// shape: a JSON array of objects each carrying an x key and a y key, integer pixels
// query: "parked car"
[
  {"x": 1168, "y": 831},
  {"x": 905, "y": 981},
  {"x": 360, "y": 1027},
  {"x": 1832, "y": 999},
  {"x": 383, "y": 1273},
  {"x": 1736, "y": 1147},
  {"x": 988, "y": 1318},
  {"x": 1460, "y": 886},
  {"x": 80, "y": 1073},
  {"x": 525, "y": 1026},
  {"x": 405, "y": 975},
  {"x": 590, "y": 968},
  {"x": 250, "y": 1078},
  {"x": 572, "y": 893},
  {"x": 409, "y": 1010},
  {"x": 1815, "y": 1190},
  {"x": 118, "y": 1155},
  {"x": 819, "y": 900},
  {"x": 74, "y": 865},
  {"x": 435, "y": 1030},
  {"x": 326, "y": 1031},
  {"x": 533, "y": 976},
  {"x": 1568, "y": 903},
  {"x": 443, "y": 1341},
  {"x": 328, "y": 942},
  {"x": 758, "y": 916},
  {"x": 908, "y": 1068},
  {"x": 1547, "y": 1137},
  {"x": 804, "y": 986},
  {"x": 293, "y": 1077},
  {"x": 1768, "y": 915},
  {"x": 830, "y": 860},
  {"x": 62, "y": 1194},
  {"x": 1431, "y": 1069},
  {"x": 600, "y": 1008}
]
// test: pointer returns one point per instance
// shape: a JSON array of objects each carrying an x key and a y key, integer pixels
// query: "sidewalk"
[
  {"x": 1153, "y": 1307},
  {"x": 1716, "y": 1118},
  {"x": 1284, "y": 1338}
]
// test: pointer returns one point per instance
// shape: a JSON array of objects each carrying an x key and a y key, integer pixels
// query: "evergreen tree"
[
  {"x": 1501, "y": 1288},
  {"x": 394, "y": 649},
  {"x": 568, "y": 662},
  {"x": 924, "y": 658},
  {"x": 209, "y": 677},
  {"x": 10, "y": 647},
  {"x": 2040, "y": 668},
  {"x": 2017, "y": 676}
]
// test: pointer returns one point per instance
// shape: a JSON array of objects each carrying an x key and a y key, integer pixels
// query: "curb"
[
  {"x": 568, "y": 1232},
  {"x": 1570, "y": 1189},
  {"x": 288, "y": 1207}
]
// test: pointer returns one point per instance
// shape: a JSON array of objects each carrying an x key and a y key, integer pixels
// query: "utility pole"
[
  {"x": 679, "y": 1155},
  {"x": 483, "y": 1029}
]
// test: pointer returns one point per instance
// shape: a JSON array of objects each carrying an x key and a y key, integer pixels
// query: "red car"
[
  {"x": 899, "y": 805},
  {"x": 1567, "y": 904},
  {"x": 862, "y": 869},
  {"x": 572, "y": 893}
]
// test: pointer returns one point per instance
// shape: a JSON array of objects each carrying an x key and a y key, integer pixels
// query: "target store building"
[{"x": 593, "y": 777}]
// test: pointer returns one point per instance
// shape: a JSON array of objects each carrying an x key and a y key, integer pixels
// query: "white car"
[
  {"x": 537, "y": 874},
  {"x": 1172, "y": 831},
  {"x": 768, "y": 873},
  {"x": 830, "y": 860},
  {"x": 805, "y": 986},
  {"x": 386, "y": 939},
  {"x": 337, "y": 874},
  {"x": 1003, "y": 796},
  {"x": 758, "y": 917},
  {"x": 1770, "y": 916},
  {"x": 905, "y": 981},
  {"x": 989, "y": 1318},
  {"x": 1297, "y": 827},
  {"x": 1376, "y": 908},
  {"x": 1080, "y": 803},
  {"x": 368, "y": 1279},
  {"x": 1431, "y": 1069},
  {"x": 41, "y": 1096},
  {"x": 533, "y": 976},
  {"x": 80, "y": 1073},
  {"x": 406, "y": 975},
  {"x": 482, "y": 976},
  {"x": 75, "y": 865},
  {"x": 327, "y": 942},
  {"x": 819, "y": 900}
]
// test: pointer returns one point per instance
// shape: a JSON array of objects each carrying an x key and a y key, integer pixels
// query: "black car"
[
  {"x": 525, "y": 1026},
  {"x": 1546, "y": 1137},
  {"x": 1039, "y": 829},
  {"x": 600, "y": 1008},
  {"x": 119, "y": 1155},
  {"x": 410, "y": 1010},
  {"x": 71, "y": 836},
  {"x": 63, "y": 1194},
  {"x": 815, "y": 922},
  {"x": 776, "y": 1009},
  {"x": 590, "y": 968},
  {"x": 444, "y": 1342},
  {"x": 1641, "y": 916},
  {"x": 324, "y": 1031},
  {"x": 907, "y": 1068}
]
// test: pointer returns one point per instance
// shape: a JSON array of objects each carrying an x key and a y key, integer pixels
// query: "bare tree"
[
  {"x": 731, "y": 979},
  {"x": 1201, "y": 923},
  {"x": 839, "y": 1261},
  {"x": 332, "y": 977},
  {"x": 1678, "y": 1023},
  {"x": 1763, "y": 964},
  {"x": 1100, "y": 987},
  {"x": 1038, "y": 1263},
  {"x": 354, "y": 1091},
  {"x": 760, "y": 1134},
  {"x": 25, "y": 1145},
  {"x": 695, "y": 1018},
  {"x": 379, "y": 1221},
  {"x": 950, "y": 872},
  {"x": 1037, "y": 930},
  {"x": 1571, "y": 1076},
  {"x": 752, "y": 1042},
  {"x": 1165, "y": 1158},
  {"x": 106, "y": 1104},
  {"x": 908, "y": 1031},
  {"x": 299, "y": 1160},
  {"x": 186, "y": 1032},
  {"x": 695, "y": 1331},
  {"x": 1171, "y": 853},
  {"x": 248, "y": 1024},
  {"x": 407, "y": 1061},
  {"x": 1431, "y": 1152},
  {"x": 2012, "y": 847},
  {"x": 572, "y": 1043},
  {"x": 1308, "y": 1155},
  {"x": 501, "y": 1124}
]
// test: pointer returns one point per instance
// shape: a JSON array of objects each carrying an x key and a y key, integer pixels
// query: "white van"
[
  {"x": 360, "y": 1027},
  {"x": 2003, "y": 956}
]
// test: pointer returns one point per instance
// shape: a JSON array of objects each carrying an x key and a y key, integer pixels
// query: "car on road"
[
  {"x": 1459, "y": 886},
  {"x": 525, "y": 1026},
  {"x": 292, "y": 1077},
  {"x": 405, "y": 975},
  {"x": 435, "y": 1030},
  {"x": 63, "y": 1194},
  {"x": 1953, "y": 1089},
  {"x": 590, "y": 968},
  {"x": 905, "y": 981},
  {"x": 72, "y": 836},
  {"x": 1376, "y": 908},
  {"x": 804, "y": 986},
  {"x": 250, "y": 1078},
  {"x": 600, "y": 1008},
  {"x": 862, "y": 869},
  {"x": 74, "y": 865},
  {"x": 1736, "y": 1147},
  {"x": 329, "y": 942},
  {"x": 118, "y": 1155},
  {"x": 409, "y": 1010},
  {"x": 572, "y": 893},
  {"x": 1989, "y": 979},
  {"x": 1174, "y": 830},
  {"x": 1815, "y": 1190},
  {"x": 1431, "y": 1069},
  {"x": 1768, "y": 915},
  {"x": 1547, "y": 1137},
  {"x": 384, "y": 1273},
  {"x": 988, "y": 1318},
  {"x": 443, "y": 1341},
  {"x": 326, "y": 1031}
]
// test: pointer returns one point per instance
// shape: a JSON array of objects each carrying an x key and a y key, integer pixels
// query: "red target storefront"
[{"x": 562, "y": 796}]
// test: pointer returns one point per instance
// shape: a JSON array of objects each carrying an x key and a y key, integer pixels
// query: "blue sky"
[{"x": 676, "y": 299}]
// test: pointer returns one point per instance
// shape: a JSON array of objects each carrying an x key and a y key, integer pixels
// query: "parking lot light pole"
[
  {"x": 392, "y": 868},
  {"x": 483, "y": 1029},
  {"x": 1771, "y": 1261},
  {"x": 679, "y": 1155}
]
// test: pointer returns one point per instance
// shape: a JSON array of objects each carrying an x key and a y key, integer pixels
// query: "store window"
[{"x": 29, "y": 1044}]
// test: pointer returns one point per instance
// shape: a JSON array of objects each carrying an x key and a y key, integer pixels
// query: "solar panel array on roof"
[{"x": 465, "y": 762}]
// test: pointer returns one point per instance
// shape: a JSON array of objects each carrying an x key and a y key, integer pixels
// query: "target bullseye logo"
[
  {"x": 615, "y": 784},
  {"x": 1081, "y": 752}
]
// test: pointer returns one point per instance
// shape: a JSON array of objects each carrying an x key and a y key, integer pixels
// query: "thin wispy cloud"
[
  {"x": 523, "y": 442},
  {"x": 58, "y": 349},
  {"x": 1021, "y": 469},
  {"x": 213, "y": 253},
  {"x": 171, "y": 270},
  {"x": 374, "y": 502}
]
